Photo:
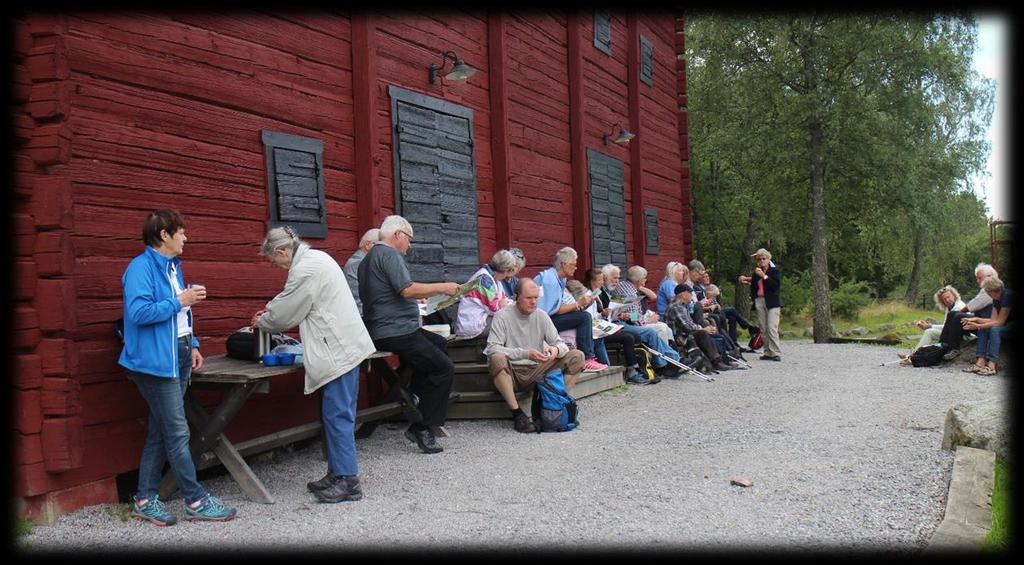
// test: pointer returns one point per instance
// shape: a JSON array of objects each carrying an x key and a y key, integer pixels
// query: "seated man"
[
  {"x": 991, "y": 330},
  {"x": 477, "y": 308},
  {"x": 351, "y": 268},
  {"x": 568, "y": 316},
  {"x": 522, "y": 347},
  {"x": 392, "y": 317},
  {"x": 679, "y": 318},
  {"x": 633, "y": 286},
  {"x": 646, "y": 335}
]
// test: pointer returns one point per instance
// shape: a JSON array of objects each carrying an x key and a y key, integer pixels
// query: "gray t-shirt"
[
  {"x": 351, "y": 271},
  {"x": 383, "y": 275}
]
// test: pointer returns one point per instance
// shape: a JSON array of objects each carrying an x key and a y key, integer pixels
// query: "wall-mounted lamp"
[
  {"x": 624, "y": 136},
  {"x": 460, "y": 70}
]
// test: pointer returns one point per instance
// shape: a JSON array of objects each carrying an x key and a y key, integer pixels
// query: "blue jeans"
[
  {"x": 584, "y": 326},
  {"x": 168, "y": 435},
  {"x": 338, "y": 413},
  {"x": 649, "y": 337},
  {"x": 988, "y": 342}
]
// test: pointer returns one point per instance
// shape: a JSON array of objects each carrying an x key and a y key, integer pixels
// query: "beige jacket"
[{"x": 316, "y": 297}]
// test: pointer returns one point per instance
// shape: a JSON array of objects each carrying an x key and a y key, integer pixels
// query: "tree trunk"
[
  {"x": 819, "y": 261},
  {"x": 915, "y": 273},
  {"x": 742, "y": 299}
]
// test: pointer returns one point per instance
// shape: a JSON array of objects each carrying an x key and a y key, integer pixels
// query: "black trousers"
[
  {"x": 426, "y": 353},
  {"x": 952, "y": 330}
]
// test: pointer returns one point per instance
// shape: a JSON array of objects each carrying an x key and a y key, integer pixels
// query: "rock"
[
  {"x": 859, "y": 331},
  {"x": 887, "y": 328},
  {"x": 809, "y": 332},
  {"x": 740, "y": 481},
  {"x": 981, "y": 424},
  {"x": 893, "y": 337}
]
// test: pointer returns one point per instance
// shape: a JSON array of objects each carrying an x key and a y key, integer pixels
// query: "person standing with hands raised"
[{"x": 764, "y": 292}]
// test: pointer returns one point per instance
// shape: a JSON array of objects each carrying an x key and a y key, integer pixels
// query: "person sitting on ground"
[
  {"x": 392, "y": 317},
  {"x": 524, "y": 346},
  {"x": 477, "y": 308},
  {"x": 632, "y": 287},
  {"x": 646, "y": 335},
  {"x": 675, "y": 273},
  {"x": 317, "y": 299},
  {"x": 992, "y": 329},
  {"x": 593, "y": 281},
  {"x": 351, "y": 268},
  {"x": 511, "y": 283},
  {"x": 946, "y": 299},
  {"x": 568, "y": 316},
  {"x": 679, "y": 318},
  {"x": 980, "y": 307}
]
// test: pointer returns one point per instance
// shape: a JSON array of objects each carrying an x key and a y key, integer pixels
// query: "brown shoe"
[{"x": 523, "y": 424}]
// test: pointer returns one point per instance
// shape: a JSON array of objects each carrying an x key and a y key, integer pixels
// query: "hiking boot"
[
  {"x": 720, "y": 365},
  {"x": 637, "y": 379},
  {"x": 951, "y": 354},
  {"x": 669, "y": 371},
  {"x": 210, "y": 508},
  {"x": 320, "y": 484},
  {"x": 593, "y": 366},
  {"x": 342, "y": 489},
  {"x": 630, "y": 371},
  {"x": 523, "y": 424},
  {"x": 423, "y": 438},
  {"x": 154, "y": 511}
]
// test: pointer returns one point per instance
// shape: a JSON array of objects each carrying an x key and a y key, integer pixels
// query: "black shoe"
[
  {"x": 951, "y": 354},
  {"x": 425, "y": 439},
  {"x": 669, "y": 371},
  {"x": 341, "y": 489},
  {"x": 523, "y": 424},
  {"x": 410, "y": 405},
  {"x": 720, "y": 365},
  {"x": 770, "y": 358},
  {"x": 321, "y": 484}
]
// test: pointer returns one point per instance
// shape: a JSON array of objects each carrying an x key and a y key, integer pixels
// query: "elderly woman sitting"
[
  {"x": 990, "y": 330},
  {"x": 477, "y": 308},
  {"x": 946, "y": 299},
  {"x": 646, "y": 335},
  {"x": 675, "y": 273}
]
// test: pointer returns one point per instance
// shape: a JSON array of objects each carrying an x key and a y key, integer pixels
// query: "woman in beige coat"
[{"x": 317, "y": 298}]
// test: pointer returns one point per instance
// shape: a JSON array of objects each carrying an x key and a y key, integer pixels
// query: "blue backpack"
[{"x": 553, "y": 409}]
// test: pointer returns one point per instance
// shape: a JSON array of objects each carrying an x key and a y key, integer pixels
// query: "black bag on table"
[
  {"x": 242, "y": 344},
  {"x": 928, "y": 355}
]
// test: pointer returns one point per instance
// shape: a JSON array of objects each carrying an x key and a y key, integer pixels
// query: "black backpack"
[{"x": 928, "y": 355}]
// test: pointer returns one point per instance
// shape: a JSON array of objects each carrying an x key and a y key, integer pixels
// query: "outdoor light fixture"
[
  {"x": 460, "y": 70},
  {"x": 624, "y": 136}
]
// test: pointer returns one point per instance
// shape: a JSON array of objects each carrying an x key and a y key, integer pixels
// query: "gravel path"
[{"x": 843, "y": 453}]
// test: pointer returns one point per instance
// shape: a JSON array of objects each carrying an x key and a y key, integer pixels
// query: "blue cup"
[
  {"x": 269, "y": 360},
  {"x": 285, "y": 358}
]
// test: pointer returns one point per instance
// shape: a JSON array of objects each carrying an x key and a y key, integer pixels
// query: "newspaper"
[
  {"x": 618, "y": 303},
  {"x": 442, "y": 301},
  {"x": 604, "y": 328}
]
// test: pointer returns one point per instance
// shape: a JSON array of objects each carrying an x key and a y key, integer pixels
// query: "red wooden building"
[{"x": 240, "y": 121}]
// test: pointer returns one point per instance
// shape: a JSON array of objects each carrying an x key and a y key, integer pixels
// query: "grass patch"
[
  {"x": 998, "y": 538},
  {"x": 879, "y": 319},
  {"x": 23, "y": 527},
  {"x": 121, "y": 512}
]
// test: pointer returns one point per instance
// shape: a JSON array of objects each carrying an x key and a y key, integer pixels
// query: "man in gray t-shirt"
[
  {"x": 351, "y": 268},
  {"x": 392, "y": 317}
]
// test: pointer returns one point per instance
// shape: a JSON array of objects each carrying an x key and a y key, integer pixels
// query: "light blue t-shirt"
[
  {"x": 666, "y": 292},
  {"x": 551, "y": 289}
]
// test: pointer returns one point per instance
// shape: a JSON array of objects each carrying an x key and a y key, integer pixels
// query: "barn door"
[
  {"x": 435, "y": 185},
  {"x": 607, "y": 209}
]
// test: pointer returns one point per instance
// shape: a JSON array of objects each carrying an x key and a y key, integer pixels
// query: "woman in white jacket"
[{"x": 317, "y": 298}]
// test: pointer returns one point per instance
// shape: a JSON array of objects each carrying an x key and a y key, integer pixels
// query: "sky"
[{"x": 990, "y": 59}]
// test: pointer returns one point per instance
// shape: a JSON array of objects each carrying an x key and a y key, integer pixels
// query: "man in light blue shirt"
[{"x": 568, "y": 316}]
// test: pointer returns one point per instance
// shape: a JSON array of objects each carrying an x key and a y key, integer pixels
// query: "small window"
[
  {"x": 646, "y": 61},
  {"x": 603, "y": 32},
  {"x": 651, "y": 225},
  {"x": 295, "y": 183}
]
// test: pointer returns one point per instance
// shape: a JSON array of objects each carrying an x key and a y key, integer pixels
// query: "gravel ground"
[{"x": 844, "y": 453}]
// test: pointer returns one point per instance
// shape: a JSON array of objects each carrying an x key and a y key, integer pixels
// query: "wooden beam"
[
  {"x": 499, "y": 130},
  {"x": 636, "y": 167},
  {"x": 364, "y": 90},
  {"x": 580, "y": 190}
]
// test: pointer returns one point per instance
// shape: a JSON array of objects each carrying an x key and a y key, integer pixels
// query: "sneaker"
[
  {"x": 210, "y": 508},
  {"x": 593, "y": 366},
  {"x": 423, "y": 438},
  {"x": 636, "y": 379},
  {"x": 320, "y": 484},
  {"x": 523, "y": 424},
  {"x": 154, "y": 511},
  {"x": 342, "y": 489},
  {"x": 950, "y": 355}
]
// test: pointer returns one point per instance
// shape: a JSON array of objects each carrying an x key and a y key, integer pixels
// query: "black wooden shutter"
[
  {"x": 603, "y": 32},
  {"x": 651, "y": 227},
  {"x": 435, "y": 185},
  {"x": 607, "y": 209},
  {"x": 295, "y": 183},
  {"x": 646, "y": 61}
]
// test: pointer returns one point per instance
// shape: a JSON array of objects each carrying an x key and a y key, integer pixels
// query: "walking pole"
[
  {"x": 735, "y": 360},
  {"x": 686, "y": 368}
]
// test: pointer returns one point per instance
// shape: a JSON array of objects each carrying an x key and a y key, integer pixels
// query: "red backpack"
[{"x": 757, "y": 341}]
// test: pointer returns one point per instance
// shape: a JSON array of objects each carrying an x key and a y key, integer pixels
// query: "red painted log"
[
  {"x": 28, "y": 372},
  {"x": 59, "y": 357},
  {"x": 57, "y": 307},
  {"x": 60, "y": 397}
]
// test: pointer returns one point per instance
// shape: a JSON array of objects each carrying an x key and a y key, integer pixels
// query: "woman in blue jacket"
[{"x": 160, "y": 352}]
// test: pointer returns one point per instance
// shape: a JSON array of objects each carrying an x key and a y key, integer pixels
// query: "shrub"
[
  {"x": 848, "y": 299},
  {"x": 797, "y": 293}
]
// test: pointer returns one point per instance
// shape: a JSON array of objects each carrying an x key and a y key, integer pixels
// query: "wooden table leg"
[{"x": 395, "y": 388}]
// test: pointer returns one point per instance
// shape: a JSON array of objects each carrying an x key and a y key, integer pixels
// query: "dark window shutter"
[
  {"x": 603, "y": 32},
  {"x": 295, "y": 183},
  {"x": 435, "y": 185},
  {"x": 607, "y": 209},
  {"x": 651, "y": 226},
  {"x": 646, "y": 61}
]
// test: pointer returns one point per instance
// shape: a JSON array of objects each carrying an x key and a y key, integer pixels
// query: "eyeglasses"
[{"x": 407, "y": 234}]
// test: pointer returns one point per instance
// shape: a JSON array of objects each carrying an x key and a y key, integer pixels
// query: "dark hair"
[
  {"x": 590, "y": 275},
  {"x": 160, "y": 220},
  {"x": 683, "y": 288}
]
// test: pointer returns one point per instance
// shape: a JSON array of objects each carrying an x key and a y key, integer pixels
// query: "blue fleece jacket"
[{"x": 151, "y": 315}]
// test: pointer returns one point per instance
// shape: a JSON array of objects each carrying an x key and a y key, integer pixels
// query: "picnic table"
[{"x": 240, "y": 380}]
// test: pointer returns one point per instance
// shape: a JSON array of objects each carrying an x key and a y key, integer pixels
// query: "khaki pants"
[
  {"x": 525, "y": 375},
  {"x": 769, "y": 319}
]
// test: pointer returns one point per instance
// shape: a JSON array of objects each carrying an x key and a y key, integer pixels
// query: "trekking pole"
[
  {"x": 686, "y": 368},
  {"x": 735, "y": 360}
]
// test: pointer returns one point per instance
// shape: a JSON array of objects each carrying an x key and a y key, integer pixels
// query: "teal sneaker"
[
  {"x": 210, "y": 508},
  {"x": 154, "y": 511}
]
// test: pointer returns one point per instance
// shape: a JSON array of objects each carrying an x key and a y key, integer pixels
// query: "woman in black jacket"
[{"x": 764, "y": 292}]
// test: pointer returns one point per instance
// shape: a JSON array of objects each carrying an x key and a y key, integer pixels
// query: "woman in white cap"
[{"x": 764, "y": 292}]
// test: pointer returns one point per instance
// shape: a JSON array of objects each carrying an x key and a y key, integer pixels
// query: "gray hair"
[
  {"x": 393, "y": 224},
  {"x": 696, "y": 265},
  {"x": 636, "y": 273},
  {"x": 992, "y": 284},
  {"x": 938, "y": 296},
  {"x": 564, "y": 255},
  {"x": 520, "y": 257},
  {"x": 372, "y": 234},
  {"x": 503, "y": 261},
  {"x": 712, "y": 290},
  {"x": 280, "y": 238},
  {"x": 608, "y": 271},
  {"x": 986, "y": 269},
  {"x": 671, "y": 268}
]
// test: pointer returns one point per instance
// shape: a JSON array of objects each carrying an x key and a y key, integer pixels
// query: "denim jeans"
[
  {"x": 426, "y": 353},
  {"x": 338, "y": 414},
  {"x": 168, "y": 435},
  {"x": 989, "y": 340},
  {"x": 649, "y": 337},
  {"x": 584, "y": 330}
]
